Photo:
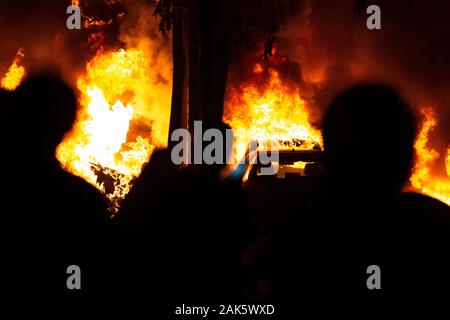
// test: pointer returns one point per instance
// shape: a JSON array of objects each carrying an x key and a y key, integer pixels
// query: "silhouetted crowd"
[{"x": 188, "y": 233}]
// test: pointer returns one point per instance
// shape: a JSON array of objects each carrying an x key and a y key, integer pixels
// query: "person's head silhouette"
[
  {"x": 47, "y": 109},
  {"x": 369, "y": 134}
]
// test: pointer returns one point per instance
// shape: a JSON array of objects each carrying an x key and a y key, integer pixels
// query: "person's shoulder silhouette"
[
  {"x": 365, "y": 218},
  {"x": 369, "y": 132}
]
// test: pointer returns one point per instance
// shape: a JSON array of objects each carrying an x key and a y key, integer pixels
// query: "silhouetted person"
[
  {"x": 364, "y": 218},
  {"x": 185, "y": 229},
  {"x": 55, "y": 219}
]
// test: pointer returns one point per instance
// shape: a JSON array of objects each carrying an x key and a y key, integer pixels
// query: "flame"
[
  {"x": 269, "y": 109},
  {"x": 91, "y": 22},
  {"x": 447, "y": 162},
  {"x": 423, "y": 178},
  {"x": 15, "y": 73},
  {"x": 124, "y": 116}
]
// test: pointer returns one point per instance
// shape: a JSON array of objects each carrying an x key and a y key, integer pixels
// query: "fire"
[
  {"x": 423, "y": 178},
  {"x": 269, "y": 109},
  {"x": 447, "y": 162},
  {"x": 15, "y": 73},
  {"x": 124, "y": 115}
]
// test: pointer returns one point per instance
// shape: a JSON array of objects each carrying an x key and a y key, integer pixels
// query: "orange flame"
[
  {"x": 423, "y": 179},
  {"x": 271, "y": 110},
  {"x": 15, "y": 73},
  {"x": 124, "y": 115}
]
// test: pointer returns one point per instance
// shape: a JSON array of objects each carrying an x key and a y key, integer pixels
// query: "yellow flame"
[
  {"x": 423, "y": 178},
  {"x": 274, "y": 111},
  {"x": 15, "y": 73},
  {"x": 124, "y": 115}
]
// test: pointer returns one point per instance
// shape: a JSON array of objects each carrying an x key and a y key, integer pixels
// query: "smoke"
[
  {"x": 330, "y": 49},
  {"x": 411, "y": 51},
  {"x": 331, "y": 42},
  {"x": 32, "y": 25},
  {"x": 140, "y": 30},
  {"x": 40, "y": 27}
]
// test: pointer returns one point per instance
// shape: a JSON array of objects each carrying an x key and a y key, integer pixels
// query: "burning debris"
[
  {"x": 269, "y": 107},
  {"x": 109, "y": 181}
]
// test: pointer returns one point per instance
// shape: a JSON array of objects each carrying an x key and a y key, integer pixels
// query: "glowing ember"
[
  {"x": 268, "y": 109},
  {"x": 423, "y": 178},
  {"x": 15, "y": 73},
  {"x": 124, "y": 115}
]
